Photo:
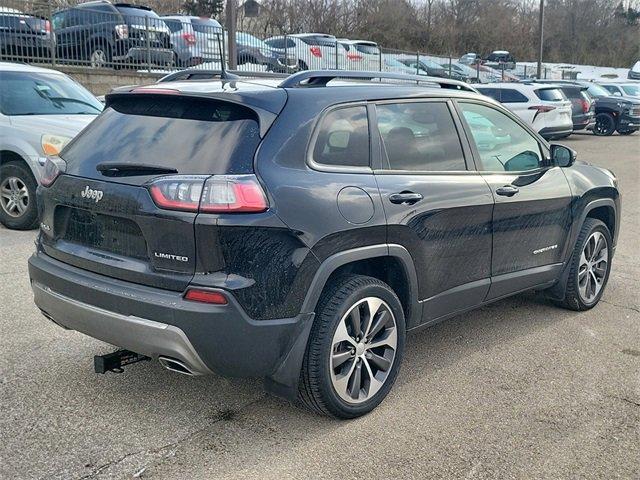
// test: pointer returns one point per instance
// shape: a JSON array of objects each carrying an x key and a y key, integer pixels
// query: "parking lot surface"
[{"x": 518, "y": 389}]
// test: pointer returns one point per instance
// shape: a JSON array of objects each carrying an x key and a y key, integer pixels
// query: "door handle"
[
  {"x": 405, "y": 198},
  {"x": 507, "y": 191}
]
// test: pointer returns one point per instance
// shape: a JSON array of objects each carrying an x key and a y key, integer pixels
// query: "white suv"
[
  {"x": 362, "y": 54},
  {"x": 543, "y": 106},
  {"x": 313, "y": 51}
]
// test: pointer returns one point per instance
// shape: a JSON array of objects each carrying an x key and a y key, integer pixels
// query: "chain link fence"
[{"x": 100, "y": 34}]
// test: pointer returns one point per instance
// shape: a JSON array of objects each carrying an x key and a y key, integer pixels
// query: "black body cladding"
[{"x": 459, "y": 239}]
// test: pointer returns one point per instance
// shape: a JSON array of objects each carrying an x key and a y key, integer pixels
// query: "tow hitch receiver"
[{"x": 113, "y": 362}]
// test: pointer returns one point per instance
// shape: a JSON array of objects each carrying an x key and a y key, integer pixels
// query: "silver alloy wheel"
[
  {"x": 363, "y": 350},
  {"x": 14, "y": 196},
  {"x": 592, "y": 271},
  {"x": 98, "y": 58}
]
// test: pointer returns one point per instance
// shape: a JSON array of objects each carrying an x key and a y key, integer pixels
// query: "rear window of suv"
[
  {"x": 550, "y": 94},
  {"x": 191, "y": 135}
]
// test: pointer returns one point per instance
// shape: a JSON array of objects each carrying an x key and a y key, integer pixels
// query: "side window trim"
[
  {"x": 376, "y": 137},
  {"x": 544, "y": 150},
  {"x": 314, "y": 137}
]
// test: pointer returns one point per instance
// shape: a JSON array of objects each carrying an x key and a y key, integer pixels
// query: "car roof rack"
[
  {"x": 204, "y": 74},
  {"x": 320, "y": 78}
]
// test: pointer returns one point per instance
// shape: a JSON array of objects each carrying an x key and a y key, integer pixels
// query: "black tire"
[
  {"x": 627, "y": 132},
  {"x": 29, "y": 218},
  {"x": 573, "y": 299},
  {"x": 316, "y": 390},
  {"x": 605, "y": 125}
]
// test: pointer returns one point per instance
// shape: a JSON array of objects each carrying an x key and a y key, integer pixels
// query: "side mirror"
[{"x": 563, "y": 156}]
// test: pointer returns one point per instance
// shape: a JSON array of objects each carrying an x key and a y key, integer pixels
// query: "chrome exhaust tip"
[{"x": 175, "y": 366}]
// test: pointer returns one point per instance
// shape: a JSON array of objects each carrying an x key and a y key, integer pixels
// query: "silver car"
[
  {"x": 41, "y": 110},
  {"x": 194, "y": 39}
]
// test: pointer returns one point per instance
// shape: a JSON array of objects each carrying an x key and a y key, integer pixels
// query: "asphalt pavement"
[{"x": 518, "y": 389}]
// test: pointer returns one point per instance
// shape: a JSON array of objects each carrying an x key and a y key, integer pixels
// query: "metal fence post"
[
  {"x": 450, "y": 65},
  {"x": 336, "y": 54},
  {"x": 379, "y": 59},
  {"x": 286, "y": 53},
  {"x": 417, "y": 63},
  {"x": 52, "y": 34},
  {"x": 478, "y": 71},
  {"x": 148, "y": 42}
]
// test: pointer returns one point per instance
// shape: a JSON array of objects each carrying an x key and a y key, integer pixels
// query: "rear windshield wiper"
[{"x": 113, "y": 169}]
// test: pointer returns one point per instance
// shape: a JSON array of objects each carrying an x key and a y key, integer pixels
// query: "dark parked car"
[
  {"x": 104, "y": 34},
  {"x": 501, "y": 59},
  {"x": 283, "y": 255},
  {"x": 195, "y": 40},
  {"x": 24, "y": 37},
  {"x": 582, "y": 106},
  {"x": 613, "y": 113},
  {"x": 253, "y": 50}
]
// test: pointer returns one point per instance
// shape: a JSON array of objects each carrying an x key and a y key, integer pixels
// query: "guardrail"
[{"x": 103, "y": 35}]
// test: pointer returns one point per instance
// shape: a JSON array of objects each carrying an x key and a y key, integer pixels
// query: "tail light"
[
  {"x": 53, "y": 168},
  {"x": 316, "y": 52},
  {"x": 541, "y": 109},
  {"x": 122, "y": 31},
  {"x": 190, "y": 38},
  {"x": 216, "y": 194},
  {"x": 586, "y": 105},
  {"x": 354, "y": 56},
  {"x": 205, "y": 296}
]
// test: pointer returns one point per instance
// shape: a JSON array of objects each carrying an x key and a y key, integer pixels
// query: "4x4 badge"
[{"x": 93, "y": 194}]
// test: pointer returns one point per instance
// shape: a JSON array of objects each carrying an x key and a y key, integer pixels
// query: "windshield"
[
  {"x": 27, "y": 93},
  {"x": 597, "y": 91},
  {"x": 633, "y": 90}
]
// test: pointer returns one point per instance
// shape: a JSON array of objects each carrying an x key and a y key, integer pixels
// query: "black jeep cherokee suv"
[{"x": 297, "y": 230}]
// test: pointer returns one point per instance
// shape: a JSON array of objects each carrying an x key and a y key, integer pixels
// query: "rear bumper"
[
  {"x": 140, "y": 335},
  {"x": 159, "y": 56},
  {"x": 550, "y": 133},
  {"x": 584, "y": 121},
  {"x": 157, "y": 322}
]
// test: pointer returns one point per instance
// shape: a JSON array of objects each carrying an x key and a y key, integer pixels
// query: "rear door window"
[
  {"x": 343, "y": 138},
  {"x": 419, "y": 136},
  {"x": 190, "y": 135},
  {"x": 320, "y": 40},
  {"x": 504, "y": 95}
]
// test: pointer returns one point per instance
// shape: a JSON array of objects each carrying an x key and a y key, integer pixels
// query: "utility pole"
[
  {"x": 230, "y": 20},
  {"x": 540, "y": 38}
]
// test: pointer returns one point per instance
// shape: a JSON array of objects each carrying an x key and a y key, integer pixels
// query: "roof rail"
[
  {"x": 320, "y": 78},
  {"x": 201, "y": 74}
]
